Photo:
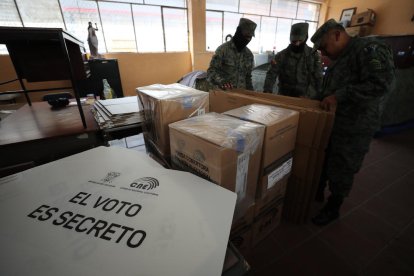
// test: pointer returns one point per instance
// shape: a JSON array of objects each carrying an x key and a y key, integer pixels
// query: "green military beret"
[
  {"x": 317, "y": 37},
  {"x": 247, "y": 26},
  {"x": 299, "y": 31}
]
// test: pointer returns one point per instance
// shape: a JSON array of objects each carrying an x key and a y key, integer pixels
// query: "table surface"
[{"x": 40, "y": 121}]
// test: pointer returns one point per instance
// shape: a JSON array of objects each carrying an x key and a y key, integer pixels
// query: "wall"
[
  {"x": 146, "y": 69},
  {"x": 393, "y": 16}
]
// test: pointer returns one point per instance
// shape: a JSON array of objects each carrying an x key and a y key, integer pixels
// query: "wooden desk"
[
  {"x": 45, "y": 54},
  {"x": 38, "y": 134}
]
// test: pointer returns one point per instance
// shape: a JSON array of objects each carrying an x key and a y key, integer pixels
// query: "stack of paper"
[
  {"x": 112, "y": 211},
  {"x": 117, "y": 112}
]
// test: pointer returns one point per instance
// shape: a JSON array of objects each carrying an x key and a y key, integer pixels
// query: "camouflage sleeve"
[
  {"x": 272, "y": 73},
  {"x": 213, "y": 72},
  {"x": 249, "y": 84},
  {"x": 317, "y": 74},
  {"x": 376, "y": 70}
]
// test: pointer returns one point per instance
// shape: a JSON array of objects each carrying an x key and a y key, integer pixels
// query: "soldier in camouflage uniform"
[
  {"x": 232, "y": 63},
  {"x": 298, "y": 67},
  {"x": 361, "y": 74}
]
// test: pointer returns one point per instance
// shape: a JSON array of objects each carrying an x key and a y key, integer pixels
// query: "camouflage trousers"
[{"x": 344, "y": 157}]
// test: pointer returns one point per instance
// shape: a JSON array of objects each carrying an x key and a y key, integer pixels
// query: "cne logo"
[{"x": 145, "y": 183}]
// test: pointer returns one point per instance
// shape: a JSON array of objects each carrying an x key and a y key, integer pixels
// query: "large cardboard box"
[
  {"x": 312, "y": 138},
  {"x": 279, "y": 141},
  {"x": 281, "y": 127},
  {"x": 267, "y": 221},
  {"x": 165, "y": 104},
  {"x": 362, "y": 30},
  {"x": 222, "y": 149},
  {"x": 363, "y": 18}
]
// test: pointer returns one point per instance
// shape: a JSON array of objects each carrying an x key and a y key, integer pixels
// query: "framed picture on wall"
[{"x": 347, "y": 14}]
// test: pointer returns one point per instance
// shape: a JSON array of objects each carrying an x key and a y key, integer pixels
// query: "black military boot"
[{"x": 330, "y": 211}]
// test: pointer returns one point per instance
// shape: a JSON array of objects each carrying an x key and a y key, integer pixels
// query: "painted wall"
[
  {"x": 393, "y": 16},
  {"x": 146, "y": 69}
]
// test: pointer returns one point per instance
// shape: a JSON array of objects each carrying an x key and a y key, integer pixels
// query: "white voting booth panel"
[{"x": 112, "y": 211}]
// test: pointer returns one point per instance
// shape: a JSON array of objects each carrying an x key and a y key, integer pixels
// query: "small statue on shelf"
[{"x": 93, "y": 40}]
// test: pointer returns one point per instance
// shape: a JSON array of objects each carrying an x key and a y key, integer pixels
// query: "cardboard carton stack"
[
  {"x": 362, "y": 23},
  {"x": 165, "y": 104},
  {"x": 275, "y": 165},
  {"x": 221, "y": 149},
  {"x": 313, "y": 132}
]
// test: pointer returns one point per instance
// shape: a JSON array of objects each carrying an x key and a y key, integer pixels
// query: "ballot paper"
[{"x": 112, "y": 211}]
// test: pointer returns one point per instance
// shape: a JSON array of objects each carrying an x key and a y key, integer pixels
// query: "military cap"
[
  {"x": 247, "y": 26},
  {"x": 317, "y": 37},
  {"x": 299, "y": 31}
]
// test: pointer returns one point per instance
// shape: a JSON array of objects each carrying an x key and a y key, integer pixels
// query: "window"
[
  {"x": 283, "y": 33},
  {"x": 214, "y": 32},
  {"x": 284, "y": 8},
  {"x": 148, "y": 28},
  {"x": 8, "y": 15},
  {"x": 117, "y": 26},
  {"x": 123, "y": 25},
  {"x": 308, "y": 11},
  {"x": 175, "y": 26},
  {"x": 274, "y": 19},
  {"x": 268, "y": 33},
  {"x": 261, "y": 7},
  {"x": 223, "y": 5},
  {"x": 169, "y": 3},
  {"x": 40, "y": 13},
  {"x": 77, "y": 14}
]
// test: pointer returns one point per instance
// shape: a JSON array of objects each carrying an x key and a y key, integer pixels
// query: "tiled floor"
[{"x": 375, "y": 234}]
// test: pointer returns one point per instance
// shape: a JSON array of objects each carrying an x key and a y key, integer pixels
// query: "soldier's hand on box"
[
  {"x": 329, "y": 103},
  {"x": 227, "y": 85}
]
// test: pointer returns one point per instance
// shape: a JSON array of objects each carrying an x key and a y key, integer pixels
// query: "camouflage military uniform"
[
  {"x": 228, "y": 65},
  {"x": 300, "y": 74},
  {"x": 361, "y": 76}
]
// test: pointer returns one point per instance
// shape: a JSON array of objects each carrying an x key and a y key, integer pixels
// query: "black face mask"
[
  {"x": 297, "y": 48},
  {"x": 239, "y": 40}
]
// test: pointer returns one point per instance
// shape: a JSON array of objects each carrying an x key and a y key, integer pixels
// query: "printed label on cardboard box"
[
  {"x": 241, "y": 177},
  {"x": 279, "y": 173},
  {"x": 201, "y": 111}
]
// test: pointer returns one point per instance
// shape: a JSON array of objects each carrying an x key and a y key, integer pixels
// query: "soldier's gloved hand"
[
  {"x": 329, "y": 103},
  {"x": 226, "y": 86}
]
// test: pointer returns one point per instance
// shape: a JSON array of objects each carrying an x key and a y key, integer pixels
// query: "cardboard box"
[
  {"x": 279, "y": 141},
  {"x": 312, "y": 138},
  {"x": 311, "y": 130},
  {"x": 281, "y": 127},
  {"x": 277, "y": 193},
  {"x": 363, "y": 18},
  {"x": 266, "y": 222},
  {"x": 362, "y": 30},
  {"x": 242, "y": 239},
  {"x": 222, "y": 149},
  {"x": 165, "y": 104}
]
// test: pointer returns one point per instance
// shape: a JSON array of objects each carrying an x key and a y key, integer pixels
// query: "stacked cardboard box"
[
  {"x": 165, "y": 104},
  {"x": 313, "y": 132},
  {"x": 362, "y": 23},
  {"x": 221, "y": 149},
  {"x": 275, "y": 167}
]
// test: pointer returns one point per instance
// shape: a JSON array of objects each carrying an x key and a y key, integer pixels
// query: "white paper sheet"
[{"x": 129, "y": 217}]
